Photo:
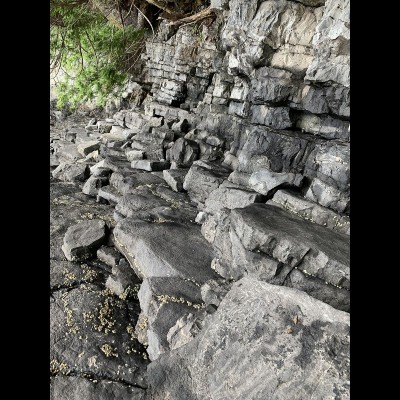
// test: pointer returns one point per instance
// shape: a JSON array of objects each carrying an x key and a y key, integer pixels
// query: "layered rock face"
[{"x": 229, "y": 193}]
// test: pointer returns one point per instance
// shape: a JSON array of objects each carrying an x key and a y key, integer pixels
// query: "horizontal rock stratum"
[{"x": 200, "y": 227}]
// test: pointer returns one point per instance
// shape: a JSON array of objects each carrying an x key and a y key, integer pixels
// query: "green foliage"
[{"x": 93, "y": 55}]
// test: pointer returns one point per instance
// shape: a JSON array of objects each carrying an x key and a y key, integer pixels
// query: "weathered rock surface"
[
  {"x": 311, "y": 211},
  {"x": 71, "y": 172},
  {"x": 282, "y": 343},
  {"x": 76, "y": 388},
  {"x": 175, "y": 178},
  {"x": 82, "y": 240},
  {"x": 89, "y": 335},
  {"x": 93, "y": 184},
  {"x": 202, "y": 179},
  {"x": 254, "y": 103},
  {"x": 163, "y": 300},
  {"x": 185, "y": 254}
]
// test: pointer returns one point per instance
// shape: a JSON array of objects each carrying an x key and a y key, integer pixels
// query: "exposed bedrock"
[{"x": 200, "y": 239}]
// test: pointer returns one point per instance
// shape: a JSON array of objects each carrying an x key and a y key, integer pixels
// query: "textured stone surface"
[
  {"x": 89, "y": 336},
  {"x": 175, "y": 178},
  {"x": 93, "y": 184},
  {"x": 261, "y": 87},
  {"x": 85, "y": 148},
  {"x": 300, "y": 243},
  {"x": 149, "y": 256},
  {"x": 71, "y": 172},
  {"x": 82, "y": 240},
  {"x": 201, "y": 180},
  {"x": 76, "y": 388},
  {"x": 184, "y": 152},
  {"x": 231, "y": 196},
  {"x": 282, "y": 344},
  {"x": 149, "y": 165},
  {"x": 311, "y": 211},
  {"x": 163, "y": 300},
  {"x": 264, "y": 181}
]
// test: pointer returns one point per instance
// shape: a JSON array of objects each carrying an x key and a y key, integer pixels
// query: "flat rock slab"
[
  {"x": 83, "y": 239},
  {"x": 67, "y": 274},
  {"x": 125, "y": 182},
  {"x": 316, "y": 250},
  {"x": 164, "y": 300},
  {"x": 150, "y": 165},
  {"x": 109, "y": 193},
  {"x": 85, "y": 148},
  {"x": 117, "y": 163},
  {"x": 263, "y": 342},
  {"x": 69, "y": 172},
  {"x": 139, "y": 200},
  {"x": 232, "y": 197},
  {"x": 69, "y": 153},
  {"x": 264, "y": 180},
  {"x": 77, "y": 388},
  {"x": 311, "y": 211},
  {"x": 165, "y": 249},
  {"x": 91, "y": 333}
]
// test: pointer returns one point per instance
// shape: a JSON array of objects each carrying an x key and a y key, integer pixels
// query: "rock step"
[
  {"x": 165, "y": 249},
  {"x": 294, "y": 241},
  {"x": 311, "y": 211},
  {"x": 125, "y": 182},
  {"x": 269, "y": 243}
]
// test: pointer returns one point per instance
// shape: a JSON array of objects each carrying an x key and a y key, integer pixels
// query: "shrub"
[{"x": 89, "y": 56}]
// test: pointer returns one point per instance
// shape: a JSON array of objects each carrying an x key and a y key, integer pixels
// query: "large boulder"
[{"x": 263, "y": 342}]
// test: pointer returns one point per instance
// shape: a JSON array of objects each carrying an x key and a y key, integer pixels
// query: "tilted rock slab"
[
  {"x": 165, "y": 249},
  {"x": 83, "y": 239},
  {"x": 263, "y": 342}
]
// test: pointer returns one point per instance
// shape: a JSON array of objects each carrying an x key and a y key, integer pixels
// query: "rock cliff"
[{"x": 219, "y": 204}]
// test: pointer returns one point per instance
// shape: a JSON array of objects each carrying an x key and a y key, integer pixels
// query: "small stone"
[
  {"x": 109, "y": 255},
  {"x": 150, "y": 165},
  {"x": 175, "y": 178},
  {"x": 85, "y": 148},
  {"x": 134, "y": 155},
  {"x": 93, "y": 184}
]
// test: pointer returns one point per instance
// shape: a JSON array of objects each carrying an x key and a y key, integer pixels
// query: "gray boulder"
[
  {"x": 149, "y": 256},
  {"x": 71, "y": 172},
  {"x": 85, "y": 148},
  {"x": 282, "y": 343},
  {"x": 265, "y": 181},
  {"x": 175, "y": 178},
  {"x": 202, "y": 179},
  {"x": 83, "y": 239},
  {"x": 184, "y": 152},
  {"x": 93, "y": 184}
]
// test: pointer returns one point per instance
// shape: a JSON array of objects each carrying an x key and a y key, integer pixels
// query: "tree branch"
[{"x": 206, "y": 13}]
